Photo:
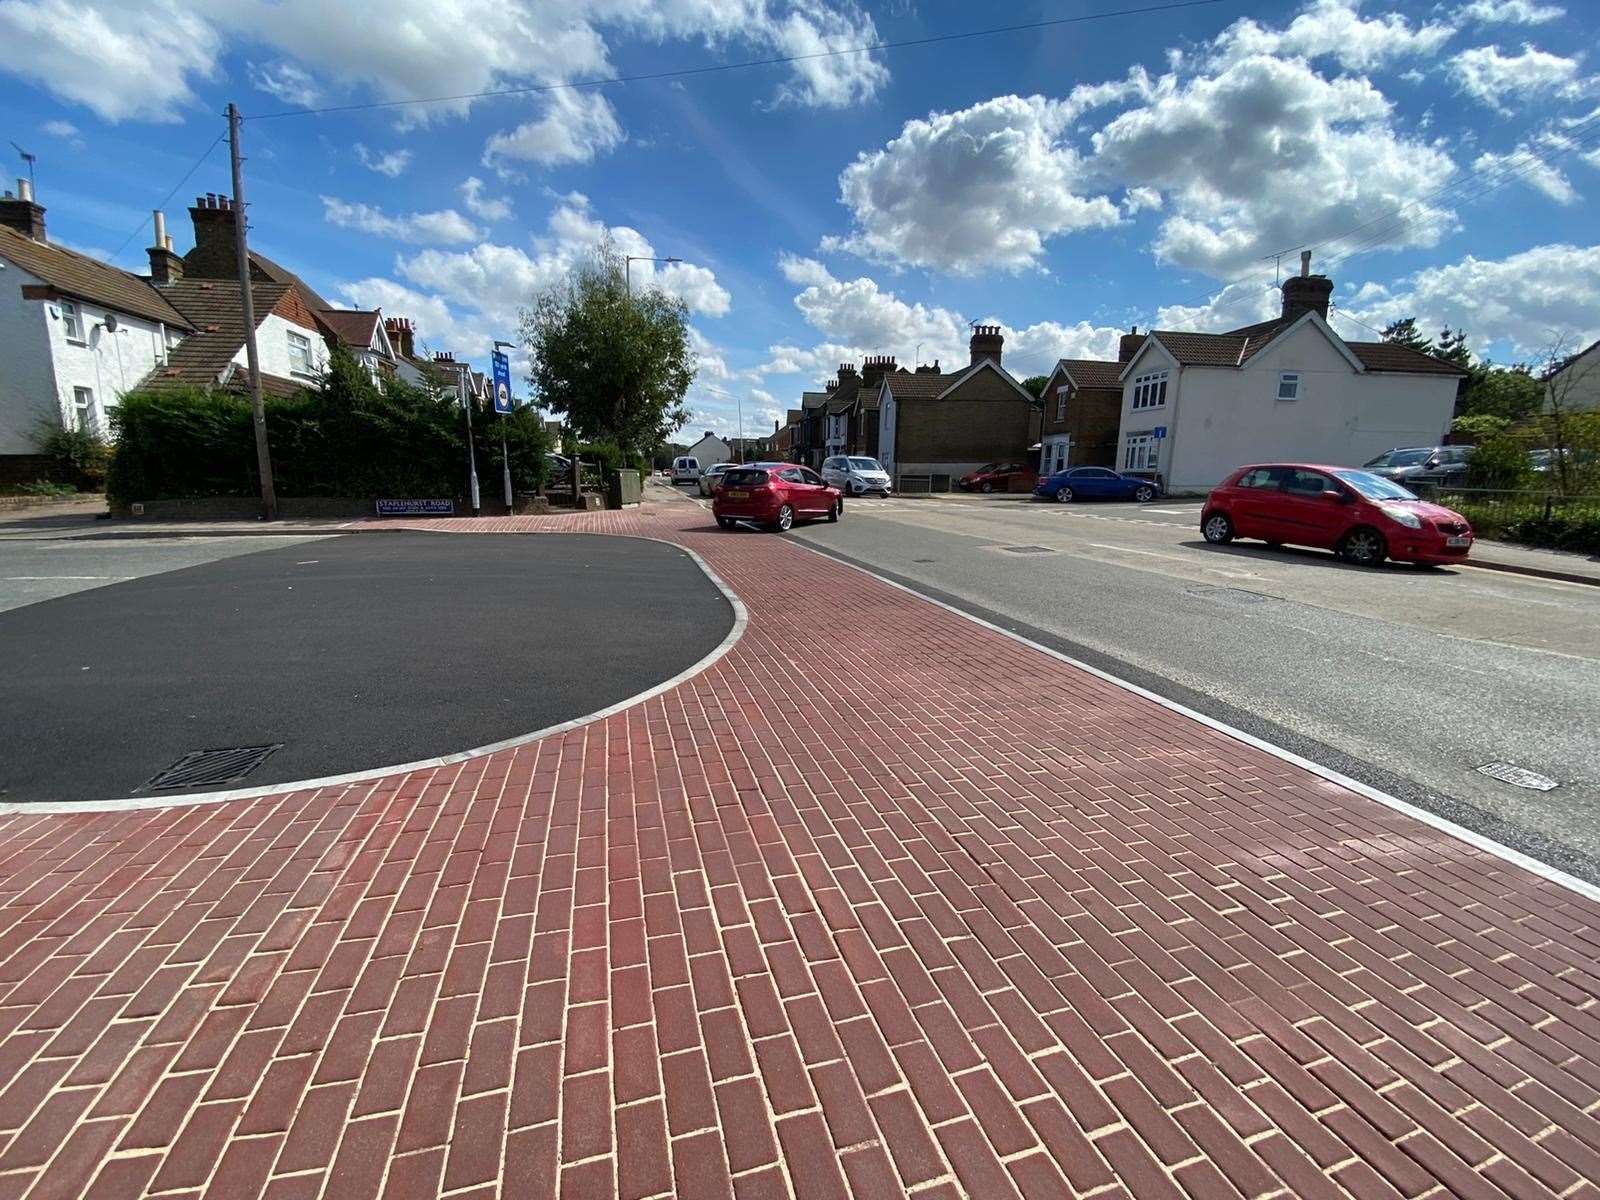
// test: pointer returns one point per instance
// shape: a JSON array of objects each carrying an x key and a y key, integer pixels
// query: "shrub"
[
  {"x": 46, "y": 487},
  {"x": 81, "y": 455},
  {"x": 1480, "y": 427},
  {"x": 347, "y": 438},
  {"x": 1576, "y": 529},
  {"x": 1499, "y": 462}
]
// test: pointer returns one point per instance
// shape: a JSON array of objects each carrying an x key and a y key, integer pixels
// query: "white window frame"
[
  {"x": 1150, "y": 391},
  {"x": 1291, "y": 379},
  {"x": 1062, "y": 393},
  {"x": 300, "y": 342},
  {"x": 72, "y": 322},
  {"x": 1141, "y": 451},
  {"x": 83, "y": 414}
]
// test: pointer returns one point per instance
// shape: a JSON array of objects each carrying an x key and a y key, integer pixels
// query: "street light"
[{"x": 627, "y": 268}]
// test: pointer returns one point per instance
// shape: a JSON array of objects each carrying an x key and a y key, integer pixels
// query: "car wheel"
[
  {"x": 1218, "y": 529},
  {"x": 1364, "y": 547},
  {"x": 1063, "y": 495},
  {"x": 987, "y": 487},
  {"x": 1145, "y": 494},
  {"x": 785, "y": 520},
  {"x": 726, "y": 522},
  {"x": 837, "y": 510}
]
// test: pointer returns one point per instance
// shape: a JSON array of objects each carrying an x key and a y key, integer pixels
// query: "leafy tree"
[
  {"x": 613, "y": 366},
  {"x": 1404, "y": 333},
  {"x": 1511, "y": 393},
  {"x": 1479, "y": 426},
  {"x": 1034, "y": 386}
]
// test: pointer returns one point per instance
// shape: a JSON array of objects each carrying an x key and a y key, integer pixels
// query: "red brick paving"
[{"x": 838, "y": 917}]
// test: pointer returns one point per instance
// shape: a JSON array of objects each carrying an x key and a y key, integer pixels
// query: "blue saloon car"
[{"x": 1093, "y": 483}]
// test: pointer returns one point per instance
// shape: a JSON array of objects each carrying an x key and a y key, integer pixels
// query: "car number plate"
[
  {"x": 732, "y": 495},
  {"x": 1460, "y": 539}
]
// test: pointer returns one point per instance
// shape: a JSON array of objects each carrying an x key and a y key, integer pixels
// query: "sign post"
[{"x": 503, "y": 404}]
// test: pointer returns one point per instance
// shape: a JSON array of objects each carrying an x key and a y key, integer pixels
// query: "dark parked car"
[
  {"x": 997, "y": 477},
  {"x": 1362, "y": 517},
  {"x": 1437, "y": 464},
  {"x": 1093, "y": 483},
  {"x": 775, "y": 495}
]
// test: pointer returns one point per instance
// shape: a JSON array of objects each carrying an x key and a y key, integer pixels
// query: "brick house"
[
  {"x": 810, "y": 433},
  {"x": 1082, "y": 410},
  {"x": 943, "y": 424}
]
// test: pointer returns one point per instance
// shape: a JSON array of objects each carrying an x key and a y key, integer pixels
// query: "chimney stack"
[
  {"x": 401, "y": 335},
  {"x": 874, "y": 367},
  {"x": 986, "y": 344},
  {"x": 1306, "y": 292},
  {"x": 1128, "y": 345},
  {"x": 165, "y": 266},
  {"x": 19, "y": 212},
  {"x": 214, "y": 255}
]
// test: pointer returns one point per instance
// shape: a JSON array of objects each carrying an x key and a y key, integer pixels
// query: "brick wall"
[
  {"x": 985, "y": 420},
  {"x": 1093, "y": 418}
]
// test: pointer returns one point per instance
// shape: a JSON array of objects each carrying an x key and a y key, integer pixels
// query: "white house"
[
  {"x": 1575, "y": 384},
  {"x": 75, "y": 333},
  {"x": 362, "y": 333},
  {"x": 710, "y": 449},
  {"x": 1197, "y": 405}
]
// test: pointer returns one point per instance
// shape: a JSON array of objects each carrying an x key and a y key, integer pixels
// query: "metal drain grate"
[
  {"x": 202, "y": 768},
  {"x": 1519, "y": 776},
  {"x": 1027, "y": 549}
]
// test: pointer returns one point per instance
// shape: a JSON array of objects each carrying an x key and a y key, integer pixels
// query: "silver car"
[
  {"x": 711, "y": 476},
  {"x": 1420, "y": 464},
  {"x": 855, "y": 476}
]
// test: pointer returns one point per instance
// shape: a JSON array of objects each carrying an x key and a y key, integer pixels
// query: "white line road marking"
[
  {"x": 58, "y": 578},
  {"x": 1168, "y": 512}
]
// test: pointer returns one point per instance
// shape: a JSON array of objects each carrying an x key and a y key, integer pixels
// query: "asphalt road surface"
[
  {"x": 1407, "y": 679},
  {"x": 353, "y": 652}
]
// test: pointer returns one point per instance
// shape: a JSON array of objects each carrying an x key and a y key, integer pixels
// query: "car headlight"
[{"x": 1402, "y": 516}]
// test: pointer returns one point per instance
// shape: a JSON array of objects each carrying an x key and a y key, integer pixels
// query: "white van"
[{"x": 686, "y": 469}]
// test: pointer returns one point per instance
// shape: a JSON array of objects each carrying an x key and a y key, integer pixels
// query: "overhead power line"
[
  {"x": 748, "y": 64},
  {"x": 221, "y": 137}
]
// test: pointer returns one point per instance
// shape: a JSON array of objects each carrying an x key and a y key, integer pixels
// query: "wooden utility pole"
[{"x": 269, "y": 495}]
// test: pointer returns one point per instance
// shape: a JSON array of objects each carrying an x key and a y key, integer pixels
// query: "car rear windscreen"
[{"x": 743, "y": 477}]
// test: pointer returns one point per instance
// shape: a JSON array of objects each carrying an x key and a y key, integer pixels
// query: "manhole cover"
[
  {"x": 202, "y": 768},
  {"x": 925, "y": 560},
  {"x": 1027, "y": 549},
  {"x": 1519, "y": 776}
]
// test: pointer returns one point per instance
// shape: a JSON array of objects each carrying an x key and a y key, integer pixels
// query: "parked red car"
[
  {"x": 775, "y": 495},
  {"x": 1362, "y": 517},
  {"x": 997, "y": 477}
]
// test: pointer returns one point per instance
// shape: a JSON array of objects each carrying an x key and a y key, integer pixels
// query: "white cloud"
[
  {"x": 1334, "y": 29},
  {"x": 60, "y": 129},
  {"x": 978, "y": 189},
  {"x": 1526, "y": 165},
  {"x": 489, "y": 208},
  {"x": 712, "y": 363},
  {"x": 807, "y": 271},
  {"x": 1137, "y": 199},
  {"x": 1034, "y": 349},
  {"x": 1493, "y": 78},
  {"x": 574, "y": 127},
  {"x": 120, "y": 61},
  {"x": 497, "y": 279},
  {"x": 1527, "y": 300},
  {"x": 1233, "y": 306},
  {"x": 422, "y": 228},
  {"x": 439, "y": 327},
  {"x": 288, "y": 82},
  {"x": 392, "y": 163},
  {"x": 1510, "y": 12},
  {"x": 1267, "y": 153}
]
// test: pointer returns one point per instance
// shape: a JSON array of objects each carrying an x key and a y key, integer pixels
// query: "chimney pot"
[
  {"x": 19, "y": 212},
  {"x": 25, "y": 189},
  {"x": 1305, "y": 264},
  {"x": 159, "y": 219},
  {"x": 987, "y": 343}
]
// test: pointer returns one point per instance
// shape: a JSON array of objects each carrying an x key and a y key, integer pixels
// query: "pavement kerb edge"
[
  {"x": 741, "y": 619},
  {"x": 1583, "y": 888},
  {"x": 1530, "y": 572}
]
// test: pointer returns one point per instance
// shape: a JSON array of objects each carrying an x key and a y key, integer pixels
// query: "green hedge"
[{"x": 345, "y": 439}]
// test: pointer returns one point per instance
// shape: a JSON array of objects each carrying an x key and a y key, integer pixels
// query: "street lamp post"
[{"x": 465, "y": 393}]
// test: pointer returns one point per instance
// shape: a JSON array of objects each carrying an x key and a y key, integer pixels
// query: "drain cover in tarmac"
[
  {"x": 1520, "y": 776},
  {"x": 1228, "y": 595},
  {"x": 1027, "y": 549}
]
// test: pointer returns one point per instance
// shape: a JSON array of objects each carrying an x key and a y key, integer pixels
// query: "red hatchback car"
[
  {"x": 1362, "y": 517},
  {"x": 997, "y": 477},
  {"x": 775, "y": 495}
]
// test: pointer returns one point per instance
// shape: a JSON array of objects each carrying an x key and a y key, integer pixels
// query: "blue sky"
[{"x": 1066, "y": 182}]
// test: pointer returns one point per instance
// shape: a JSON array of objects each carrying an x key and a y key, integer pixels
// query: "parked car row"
[{"x": 1360, "y": 515}]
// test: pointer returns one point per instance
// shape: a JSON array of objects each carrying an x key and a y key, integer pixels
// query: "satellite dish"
[{"x": 111, "y": 322}]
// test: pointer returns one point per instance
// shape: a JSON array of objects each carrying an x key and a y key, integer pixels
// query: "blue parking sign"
[
  {"x": 1159, "y": 432},
  {"x": 502, "y": 383}
]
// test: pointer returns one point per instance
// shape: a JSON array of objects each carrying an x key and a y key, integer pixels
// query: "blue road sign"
[
  {"x": 502, "y": 383},
  {"x": 1159, "y": 432}
]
